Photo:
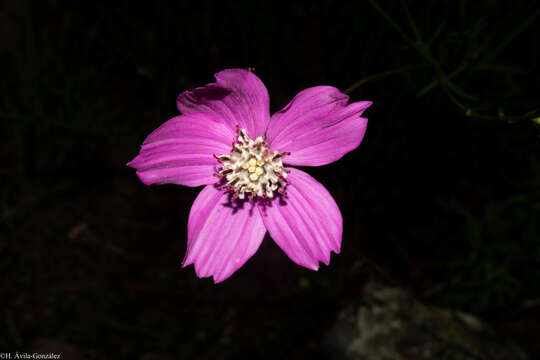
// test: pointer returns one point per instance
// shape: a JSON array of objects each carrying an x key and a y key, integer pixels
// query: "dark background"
[{"x": 440, "y": 199}]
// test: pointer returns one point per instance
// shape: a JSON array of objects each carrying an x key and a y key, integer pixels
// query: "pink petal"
[
  {"x": 307, "y": 224},
  {"x": 317, "y": 126},
  {"x": 180, "y": 151},
  {"x": 238, "y": 97},
  {"x": 221, "y": 238}
]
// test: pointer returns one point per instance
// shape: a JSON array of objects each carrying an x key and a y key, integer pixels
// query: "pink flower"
[{"x": 247, "y": 188}]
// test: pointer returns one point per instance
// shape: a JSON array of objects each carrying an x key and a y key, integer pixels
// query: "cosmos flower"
[{"x": 226, "y": 140}]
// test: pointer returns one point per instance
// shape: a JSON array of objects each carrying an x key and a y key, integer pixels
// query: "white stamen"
[{"x": 251, "y": 168}]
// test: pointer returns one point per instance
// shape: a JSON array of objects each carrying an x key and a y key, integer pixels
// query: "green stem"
[{"x": 362, "y": 81}]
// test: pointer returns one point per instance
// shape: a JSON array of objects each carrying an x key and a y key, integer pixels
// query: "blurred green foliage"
[
  {"x": 503, "y": 241},
  {"x": 471, "y": 52},
  {"x": 503, "y": 261}
]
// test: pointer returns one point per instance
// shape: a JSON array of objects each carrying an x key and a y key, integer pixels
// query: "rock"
[{"x": 391, "y": 325}]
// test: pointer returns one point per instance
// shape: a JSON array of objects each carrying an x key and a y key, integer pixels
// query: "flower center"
[{"x": 251, "y": 168}]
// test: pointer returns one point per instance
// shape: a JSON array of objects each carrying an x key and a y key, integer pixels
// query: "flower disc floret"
[{"x": 251, "y": 168}]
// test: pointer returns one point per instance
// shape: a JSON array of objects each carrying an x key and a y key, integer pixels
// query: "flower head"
[{"x": 226, "y": 140}]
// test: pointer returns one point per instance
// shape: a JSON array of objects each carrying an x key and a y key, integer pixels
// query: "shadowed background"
[{"x": 441, "y": 198}]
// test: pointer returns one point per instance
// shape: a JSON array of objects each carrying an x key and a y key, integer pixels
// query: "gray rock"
[{"x": 391, "y": 325}]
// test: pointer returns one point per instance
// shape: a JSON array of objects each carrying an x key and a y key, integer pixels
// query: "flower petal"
[
  {"x": 180, "y": 151},
  {"x": 221, "y": 235},
  {"x": 238, "y": 97},
  {"x": 317, "y": 126},
  {"x": 306, "y": 224}
]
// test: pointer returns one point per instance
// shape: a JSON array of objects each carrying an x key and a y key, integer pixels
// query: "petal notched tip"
[
  {"x": 318, "y": 126},
  {"x": 216, "y": 278},
  {"x": 308, "y": 228},
  {"x": 146, "y": 180},
  {"x": 143, "y": 177},
  {"x": 221, "y": 239},
  {"x": 133, "y": 163},
  {"x": 364, "y": 104},
  {"x": 180, "y": 151},
  {"x": 238, "y": 97}
]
